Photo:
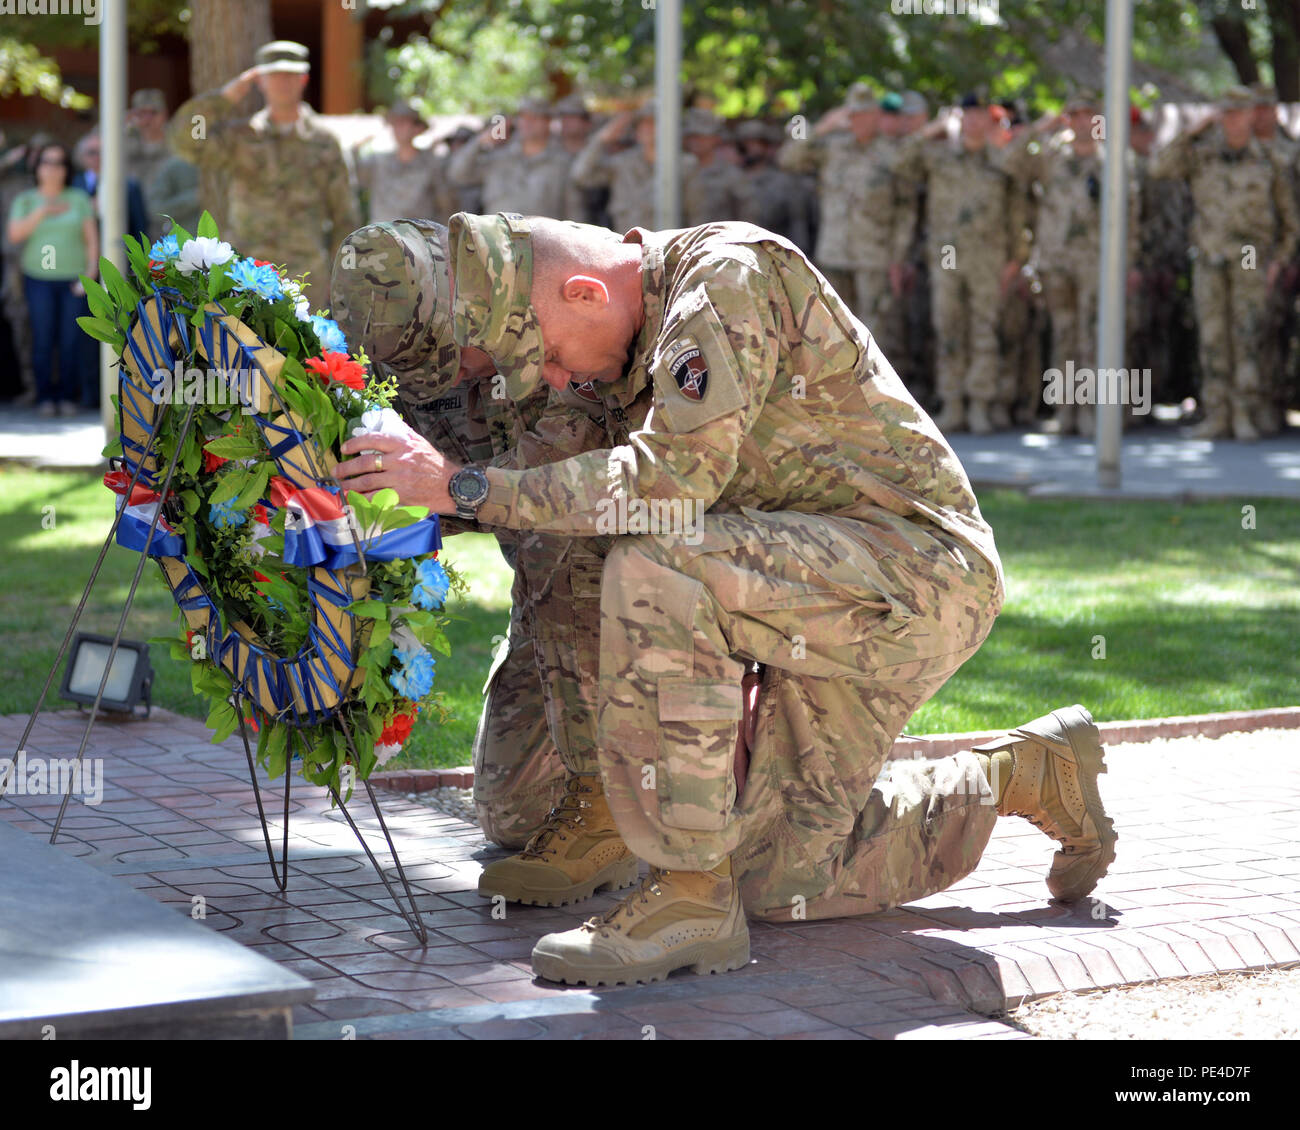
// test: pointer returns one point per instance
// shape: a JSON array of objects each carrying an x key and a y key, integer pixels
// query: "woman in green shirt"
[{"x": 55, "y": 225}]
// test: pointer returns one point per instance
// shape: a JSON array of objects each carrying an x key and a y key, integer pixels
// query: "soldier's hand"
[
  {"x": 239, "y": 86},
  {"x": 408, "y": 464}
]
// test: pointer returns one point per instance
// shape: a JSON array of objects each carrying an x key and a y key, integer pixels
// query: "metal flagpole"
[
  {"x": 112, "y": 182},
  {"x": 1114, "y": 223},
  {"x": 668, "y": 111}
]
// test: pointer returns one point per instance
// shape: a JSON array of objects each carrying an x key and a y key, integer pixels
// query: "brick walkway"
[{"x": 1208, "y": 878}]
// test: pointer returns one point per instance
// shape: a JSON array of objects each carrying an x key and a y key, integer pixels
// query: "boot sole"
[
  {"x": 1090, "y": 757},
  {"x": 614, "y": 877},
  {"x": 703, "y": 957}
]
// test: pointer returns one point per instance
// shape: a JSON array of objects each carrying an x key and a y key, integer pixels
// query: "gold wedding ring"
[{"x": 379, "y": 462}]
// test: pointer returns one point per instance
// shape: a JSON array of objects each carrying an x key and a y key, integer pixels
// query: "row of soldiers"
[{"x": 969, "y": 245}]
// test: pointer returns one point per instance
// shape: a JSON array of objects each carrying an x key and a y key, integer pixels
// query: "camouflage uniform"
[
  {"x": 291, "y": 199},
  {"x": 629, "y": 177},
  {"x": 1244, "y": 210},
  {"x": 399, "y": 189},
  {"x": 144, "y": 160},
  {"x": 1067, "y": 244},
  {"x": 388, "y": 289},
  {"x": 716, "y": 191},
  {"x": 512, "y": 181},
  {"x": 175, "y": 193},
  {"x": 839, "y": 544},
  {"x": 969, "y": 242}
]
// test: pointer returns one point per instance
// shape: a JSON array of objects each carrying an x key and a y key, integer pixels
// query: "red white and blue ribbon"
[
  {"x": 318, "y": 531},
  {"x": 143, "y": 511}
]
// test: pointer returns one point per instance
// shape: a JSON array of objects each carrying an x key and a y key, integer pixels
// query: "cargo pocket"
[{"x": 697, "y": 739}]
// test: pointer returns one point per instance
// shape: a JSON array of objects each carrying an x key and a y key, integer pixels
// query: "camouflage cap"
[
  {"x": 150, "y": 98},
  {"x": 701, "y": 123},
  {"x": 571, "y": 105},
  {"x": 860, "y": 97},
  {"x": 1237, "y": 98},
  {"x": 390, "y": 292},
  {"x": 915, "y": 103},
  {"x": 492, "y": 261},
  {"x": 283, "y": 55}
]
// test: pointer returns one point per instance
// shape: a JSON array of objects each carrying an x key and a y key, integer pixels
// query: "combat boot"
[
  {"x": 1243, "y": 427},
  {"x": 1216, "y": 425},
  {"x": 952, "y": 418},
  {"x": 978, "y": 420},
  {"x": 577, "y": 851},
  {"x": 674, "y": 918},
  {"x": 1046, "y": 771}
]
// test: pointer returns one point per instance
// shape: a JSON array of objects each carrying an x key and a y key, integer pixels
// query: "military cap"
[
  {"x": 702, "y": 123},
  {"x": 755, "y": 129},
  {"x": 535, "y": 106},
  {"x": 914, "y": 103},
  {"x": 283, "y": 55},
  {"x": 892, "y": 103},
  {"x": 390, "y": 292},
  {"x": 151, "y": 98},
  {"x": 860, "y": 97},
  {"x": 492, "y": 261},
  {"x": 572, "y": 105},
  {"x": 401, "y": 108},
  {"x": 1237, "y": 98}
]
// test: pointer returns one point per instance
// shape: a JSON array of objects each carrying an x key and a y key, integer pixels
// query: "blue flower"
[
  {"x": 431, "y": 585},
  {"x": 165, "y": 248},
  {"x": 223, "y": 514},
  {"x": 263, "y": 281},
  {"x": 414, "y": 678},
  {"x": 331, "y": 337}
]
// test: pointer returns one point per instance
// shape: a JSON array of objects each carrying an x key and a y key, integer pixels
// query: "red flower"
[
  {"x": 252, "y": 721},
  {"x": 156, "y": 269},
  {"x": 260, "y": 515},
  {"x": 398, "y": 730},
  {"x": 211, "y": 462},
  {"x": 338, "y": 367}
]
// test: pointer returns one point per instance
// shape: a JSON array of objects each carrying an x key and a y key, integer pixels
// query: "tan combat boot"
[
  {"x": 978, "y": 420},
  {"x": 1243, "y": 427},
  {"x": 953, "y": 416},
  {"x": 577, "y": 851},
  {"x": 674, "y": 918},
  {"x": 1046, "y": 771},
  {"x": 1216, "y": 425}
]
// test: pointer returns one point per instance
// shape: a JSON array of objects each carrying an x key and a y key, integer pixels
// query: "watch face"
[{"x": 469, "y": 486}]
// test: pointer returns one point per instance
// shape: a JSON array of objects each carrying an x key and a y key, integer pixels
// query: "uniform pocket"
[{"x": 697, "y": 738}]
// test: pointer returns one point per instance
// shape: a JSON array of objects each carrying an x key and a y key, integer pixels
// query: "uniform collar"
[
  {"x": 653, "y": 290},
  {"x": 303, "y": 127}
]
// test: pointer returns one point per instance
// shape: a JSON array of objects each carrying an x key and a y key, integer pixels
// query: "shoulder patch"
[
  {"x": 689, "y": 369},
  {"x": 587, "y": 391}
]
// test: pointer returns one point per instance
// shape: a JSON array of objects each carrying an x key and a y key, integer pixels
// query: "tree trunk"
[
  {"x": 224, "y": 37},
  {"x": 1284, "y": 23},
  {"x": 1235, "y": 41}
]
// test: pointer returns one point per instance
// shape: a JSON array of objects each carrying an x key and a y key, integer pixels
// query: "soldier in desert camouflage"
[
  {"x": 1244, "y": 232},
  {"x": 834, "y": 540},
  {"x": 391, "y": 295},
  {"x": 291, "y": 198},
  {"x": 403, "y": 181}
]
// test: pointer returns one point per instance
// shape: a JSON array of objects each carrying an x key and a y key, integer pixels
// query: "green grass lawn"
[{"x": 1197, "y": 613}]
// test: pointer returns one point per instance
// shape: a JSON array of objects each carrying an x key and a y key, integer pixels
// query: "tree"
[{"x": 224, "y": 37}]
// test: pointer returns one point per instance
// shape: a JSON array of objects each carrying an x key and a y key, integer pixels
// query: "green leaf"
[
  {"x": 190, "y": 500},
  {"x": 101, "y": 330},
  {"x": 370, "y": 609},
  {"x": 223, "y": 720},
  {"x": 97, "y": 298},
  {"x": 207, "y": 226},
  {"x": 192, "y": 456},
  {"x": 234, "y": 447},
  {"x": 121, "y": 290},
  {"x": 229, "y": 486},
  {"x": 380, "y": 632},
  {"x": 137, "y": 255},
  {"x": 255, "y": 488},
  {"x": 113, "y": 448},
  {"x": 182, "y": 236}
]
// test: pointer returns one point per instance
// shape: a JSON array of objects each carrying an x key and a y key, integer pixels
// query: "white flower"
[
  {"x": 384, "y": 753},
  {"x": 301, "y": 307},
  {"x": 403, "y": 638},
  {"x": 381, "y": 422},
  {"x": 202, "y": 254}
]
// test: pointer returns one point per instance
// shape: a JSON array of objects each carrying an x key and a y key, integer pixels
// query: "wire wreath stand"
[{"x": 279, "y": 868}]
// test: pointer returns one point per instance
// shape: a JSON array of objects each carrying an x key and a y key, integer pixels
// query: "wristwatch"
[{"x": 468, "y": 488}]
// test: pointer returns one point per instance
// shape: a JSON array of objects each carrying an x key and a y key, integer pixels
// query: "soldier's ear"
[{"x": 586, "y": 290}]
